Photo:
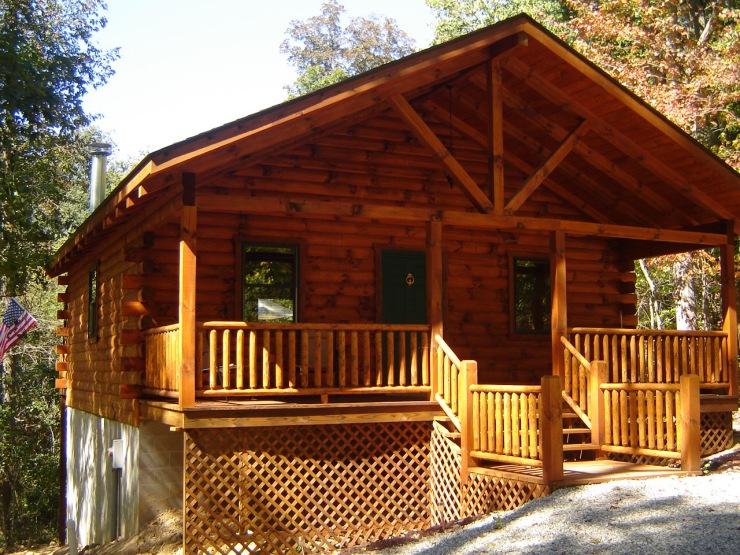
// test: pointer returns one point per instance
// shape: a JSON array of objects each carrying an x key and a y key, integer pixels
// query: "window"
[
  {"x": 92, "y": 303},
  {"x": 531, "y": 302},
  {"x": 269, "y": 283}
]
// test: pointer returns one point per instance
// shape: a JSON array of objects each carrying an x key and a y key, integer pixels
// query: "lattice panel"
[
  {"x": 301, "y": 489},
  {"x": 445, "y": 489},
  {"x": 716, "y": 432},
  {"x": 486, "y": 494}
]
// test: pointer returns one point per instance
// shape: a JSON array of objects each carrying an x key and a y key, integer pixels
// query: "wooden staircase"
[{"x": 576, "y": 437}]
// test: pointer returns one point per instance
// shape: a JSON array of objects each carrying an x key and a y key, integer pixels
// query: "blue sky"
[{"x": 187, "y": 66}]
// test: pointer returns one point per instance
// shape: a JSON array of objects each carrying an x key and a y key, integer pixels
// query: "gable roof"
[{"x": 567, "y": 127}]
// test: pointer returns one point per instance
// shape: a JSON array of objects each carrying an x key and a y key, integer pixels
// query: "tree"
[
  {"x": 682, "y": 57},
  {"x": 48, "y": 61},
  {"x": 457, "y": 17},
  {"x": 324, "y": 52}
]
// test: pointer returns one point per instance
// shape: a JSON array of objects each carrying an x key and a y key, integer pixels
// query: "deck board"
[{"x": 580, "y": 473}]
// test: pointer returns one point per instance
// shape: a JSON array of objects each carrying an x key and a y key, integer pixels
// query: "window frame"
[
  {"x": 541, "y": 258},
  {"x": 93, "y": 302},
  {"x": 242, "y": 244}
]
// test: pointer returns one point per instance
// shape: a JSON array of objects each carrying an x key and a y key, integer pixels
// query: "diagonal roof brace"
[
  {"x": 546, "y": 168},
  {"x": 428, "y": 137}
]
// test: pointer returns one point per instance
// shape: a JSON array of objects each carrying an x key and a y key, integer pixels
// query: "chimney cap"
[{"x": 99, "y": 148}]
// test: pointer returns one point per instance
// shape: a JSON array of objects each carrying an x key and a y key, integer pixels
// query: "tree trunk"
[{"x": 684, "y": 294}]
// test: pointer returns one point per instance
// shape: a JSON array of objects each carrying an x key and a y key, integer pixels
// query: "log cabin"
[{"x": 396, "y": 302}]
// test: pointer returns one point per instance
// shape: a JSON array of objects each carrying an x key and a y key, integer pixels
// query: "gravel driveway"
[{"x": 660, "y": 516}]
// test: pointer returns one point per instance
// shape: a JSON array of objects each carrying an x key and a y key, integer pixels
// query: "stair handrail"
[
  {"x": 449, "y": 369},
  {"x": 583, "y": 361}
]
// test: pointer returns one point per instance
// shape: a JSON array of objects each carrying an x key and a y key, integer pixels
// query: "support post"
[
  {"x": 559, "y": 315},
  {"x": 690, "y": 423},
  {"x": 496, "y": 136},
  {"x": 468, "y": 377},
  {"x": 186, "y": 310},
  {"x": 551, "y": 429},
  {"x": 599, "y": 375},
  {"x": 434, "y": 297},
  {"x": 729, "y": 306}
]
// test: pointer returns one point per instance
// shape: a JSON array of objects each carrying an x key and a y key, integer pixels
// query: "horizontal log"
[
  {"x": 64, "y": 314},
  {"x": 62, "y": 349},
  {"x": 132, "y": 281},
  {"x": 133, "y": 364},
  {"x": 134, "y": 308},
  {"x": 60, "y": 383},
  {"x": 131, "y": 337},
  {"x": 127, "y": 391},
  {"x": 63, "y": 331},
  {"x": 62, "y": 366},
  {"x": 63, "y": 297},
  {"x": 63, "y": 280}
]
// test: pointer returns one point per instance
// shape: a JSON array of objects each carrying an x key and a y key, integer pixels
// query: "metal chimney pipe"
[{"x": 99, "y": 158}]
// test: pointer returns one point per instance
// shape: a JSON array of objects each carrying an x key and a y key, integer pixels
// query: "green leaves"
[{"x": 324, "y": 52}]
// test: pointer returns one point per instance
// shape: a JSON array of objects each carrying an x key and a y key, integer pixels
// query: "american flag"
[{"x": 16, "y": 322}]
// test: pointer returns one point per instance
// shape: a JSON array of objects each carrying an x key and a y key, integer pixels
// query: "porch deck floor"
[{"x": 580, "y": 473}]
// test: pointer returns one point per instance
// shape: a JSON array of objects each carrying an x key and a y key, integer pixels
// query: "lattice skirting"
[
  {"x": 484, "y": 493},
  {"x": 487, "y": 493},
  {"x": 304, "y": 489},
  {"x": 716, "y": 432}
]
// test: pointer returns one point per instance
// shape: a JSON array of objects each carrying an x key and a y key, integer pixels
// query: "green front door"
[{"x": 403, "y": 287}]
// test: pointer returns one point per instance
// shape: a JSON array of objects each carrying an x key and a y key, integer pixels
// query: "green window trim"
[
  {"x": 269, "y": 282},
  {"x": 93, "y": 302}
]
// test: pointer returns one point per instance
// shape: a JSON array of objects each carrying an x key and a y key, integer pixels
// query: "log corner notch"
[{"x": 427, "y": 137}]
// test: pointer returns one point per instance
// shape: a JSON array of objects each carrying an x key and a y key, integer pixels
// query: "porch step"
[
  {"x": 580, "y": 447},
  {"x": 568, "y": 431}
]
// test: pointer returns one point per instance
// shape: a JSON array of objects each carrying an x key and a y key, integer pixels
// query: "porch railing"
[
  {"x": 645, "y": 356},
  {"x": 237, "y": 358}
]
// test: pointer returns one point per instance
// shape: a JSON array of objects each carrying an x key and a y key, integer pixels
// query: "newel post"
[
  {"x": 729, "y": 306},
  {"x": 186, "y": 309},
  {"x": 551, "y": 429},
  {"x": 468, "y": 377},
  {"x": 690, "y": 423},
  {"x": 599, "y": 375}
]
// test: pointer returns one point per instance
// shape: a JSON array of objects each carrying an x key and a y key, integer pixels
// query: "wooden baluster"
[
  {"x": 240, "y": 359},
  {"x": 226, "y": 360},
  {"x": 266, "y": 381},
  {"x": 213, "y": 359},
  {"x": 515, "y": 431},
  {"x": 355, "y": 358},
  {"x": 366, "y": 360},
  {"x": 499, "y": 425},
  {"x": 507, "y": 423},
  {"x": 401, "y": 358},
  {"x": 660, "y": 429},
  {"x": 641, "y": 419},
  {"x": 624, "y": 365},
  {"x": 330, "y": 352},
  {"x": 390, "y": 357},
  {"x": 414, "y": 359},
  {"x": 379, "y": 359},
  {"x": 651, "y": 423},
  {"x": 342, "y": 346},
  {"x": 317, "y": 365},
  {"x": 279, "y": 370},
  {"x": 425, "y": 359},
  {"x": 477, "y": 421},
  {"x": 304, "y": 358},
  {"x": 670, "y": 414},
  {"x": 253, "y": 359},
  {"x": 490, "y": 422},
  {"x": 292, "y": 381}
]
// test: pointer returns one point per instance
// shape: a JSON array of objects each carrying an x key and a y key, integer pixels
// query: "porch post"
[
  {"x": 186, "y": 309},
  {"x": 729, "y": 306},
  {"x": 434, "y": 295},
  {"x": 559, "y": 315},
  {"x": 690, "y": 416},
  {"x": 468, "y": 377},
  {"x": 551, "y": 429}
]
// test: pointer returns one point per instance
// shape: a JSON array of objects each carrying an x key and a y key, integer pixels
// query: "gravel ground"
[{"x": 660, "y": 516}]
